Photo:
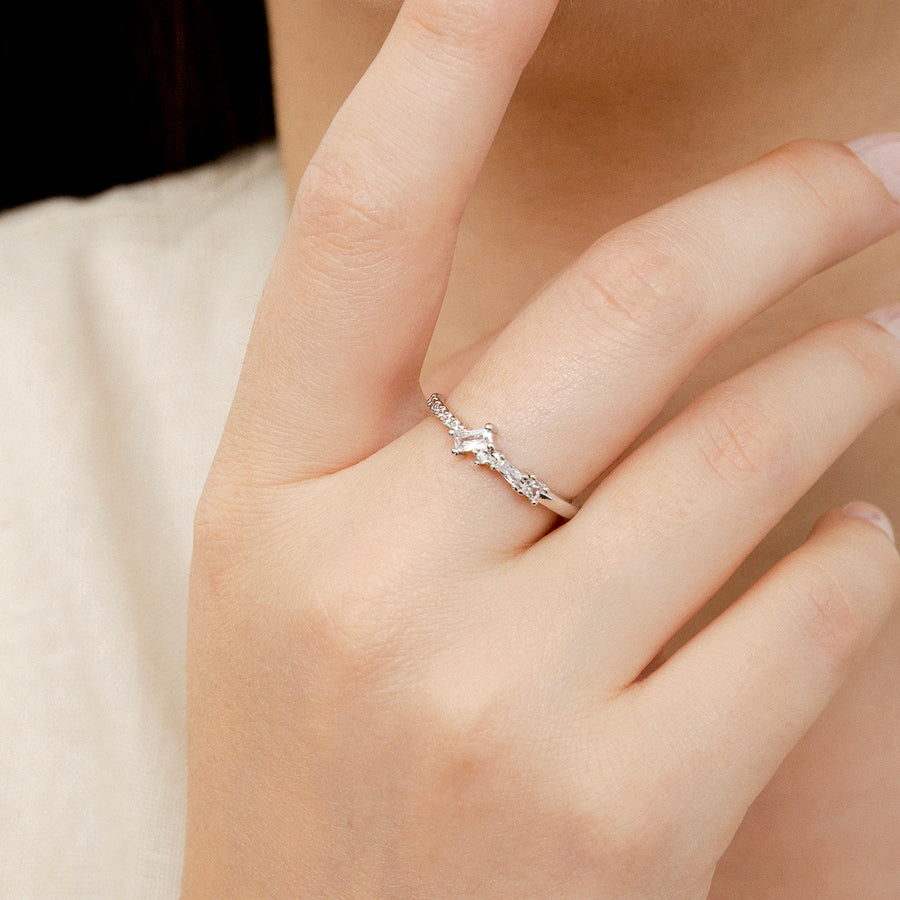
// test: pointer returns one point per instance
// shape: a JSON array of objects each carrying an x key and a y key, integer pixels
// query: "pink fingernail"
[
  {"x": 881, "y": 153},
  {"x": 860, "y": 510},
  {"x": 888, "y": 317}
]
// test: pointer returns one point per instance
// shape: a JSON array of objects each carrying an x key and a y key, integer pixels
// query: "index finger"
[{"x": 348, "y": 312}]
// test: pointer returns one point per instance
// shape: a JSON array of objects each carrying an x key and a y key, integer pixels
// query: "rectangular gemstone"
[{"x": 472, "y": 441}]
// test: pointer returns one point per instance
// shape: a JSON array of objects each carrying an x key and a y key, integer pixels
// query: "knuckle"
[
  {"x": 633, "y": 799},
  {"x": 352, "y": 648},
  {"x": 834, "y": 619},
  {"x": 638, "y": 830},
  {"x": 348, "y": 616},
  {"x": 639, "y": 291},
  {"x": 219, "y": 535},
  {"x": 345, "y": 213},
  {"x": 232, "y": 528},
  {"x": 463, "y": 28},
  {"x": 808, "y": 170},
  {"x": 365, "y": 609},
  {"x": 858, "y": 355},
  {"x": 741, "y": 441}
]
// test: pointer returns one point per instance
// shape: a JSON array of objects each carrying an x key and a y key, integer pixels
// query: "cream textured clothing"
[{"x": 124, "y": 319}]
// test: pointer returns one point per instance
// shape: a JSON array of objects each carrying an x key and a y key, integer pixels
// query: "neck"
[{"x": 620, "y": 110}]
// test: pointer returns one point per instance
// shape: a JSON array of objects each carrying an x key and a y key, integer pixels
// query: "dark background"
[{"x": 100, "y": 93}]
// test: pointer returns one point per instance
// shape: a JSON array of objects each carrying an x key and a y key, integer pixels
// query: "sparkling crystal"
[
  {"x": 531, "y": 488},
  {"x": 508, "y": 471},
  {"x": 485, "y": 458},
  {"x": 479, "y": 441}
]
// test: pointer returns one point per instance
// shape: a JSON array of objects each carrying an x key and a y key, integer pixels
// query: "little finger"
[
  {"x": 737, "y": 698},
  {"x": 687, "y": 507}
]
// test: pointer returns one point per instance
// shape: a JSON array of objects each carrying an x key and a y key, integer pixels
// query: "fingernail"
[
  {"x": 881, "y": 153},
  {"x": 860, "y": 510},
  {"x": 888, "y": 317}
]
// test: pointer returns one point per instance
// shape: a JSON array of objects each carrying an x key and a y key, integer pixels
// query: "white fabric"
[{"x": 124, "y": 319}]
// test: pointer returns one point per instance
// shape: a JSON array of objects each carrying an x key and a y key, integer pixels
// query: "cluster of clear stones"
[{"x": 480, "y": 443}]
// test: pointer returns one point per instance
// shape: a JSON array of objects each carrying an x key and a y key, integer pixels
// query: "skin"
[{"x": 596, "y": 134}]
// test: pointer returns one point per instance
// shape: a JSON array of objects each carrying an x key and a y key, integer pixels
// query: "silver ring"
[{"x": 480, "y": 443}]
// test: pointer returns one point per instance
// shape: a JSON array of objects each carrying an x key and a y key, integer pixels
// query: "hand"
[{"x": 406, "y": 681}]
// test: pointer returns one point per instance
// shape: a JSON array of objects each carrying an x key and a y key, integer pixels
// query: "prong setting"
[{"x": 480, "y": 443}]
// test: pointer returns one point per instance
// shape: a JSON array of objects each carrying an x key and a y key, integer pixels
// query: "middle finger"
[{"x": 575, "y": 379}]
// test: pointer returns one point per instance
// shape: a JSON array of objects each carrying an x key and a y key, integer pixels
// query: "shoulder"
[
  {"x": 249, "y": 170},
  {"x": 237, "y": 202},
  {"x": 158, "y": 274}
]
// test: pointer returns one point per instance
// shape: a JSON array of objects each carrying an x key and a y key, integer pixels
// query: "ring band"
[{"x": 480, "y": 443}]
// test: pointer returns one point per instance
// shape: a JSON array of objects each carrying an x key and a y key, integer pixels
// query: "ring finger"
[
  {"x": 580, "y": 373},
  {"x": 715, "y": 479}
]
